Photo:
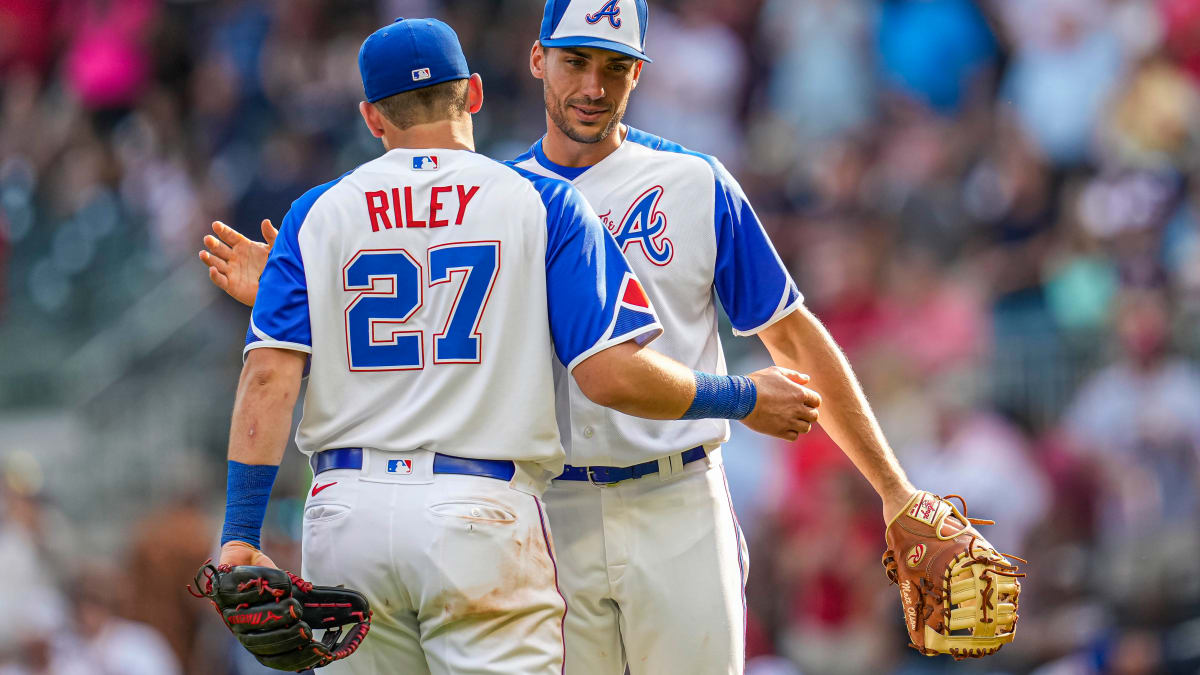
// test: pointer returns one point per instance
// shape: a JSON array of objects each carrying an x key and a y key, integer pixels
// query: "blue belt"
[
  {"x": 601, "y": 475},
  {"x": 352, "y": 458}
]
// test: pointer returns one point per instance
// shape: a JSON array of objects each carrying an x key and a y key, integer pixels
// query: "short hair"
[{"x": 428, "y": 104}]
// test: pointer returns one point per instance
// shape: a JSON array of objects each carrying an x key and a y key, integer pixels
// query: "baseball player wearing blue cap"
[
  {"x": 410, "y": 289},
  {"x": 652, "y": 561}
]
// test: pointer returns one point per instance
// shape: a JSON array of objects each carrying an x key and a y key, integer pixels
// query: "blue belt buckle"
[{"x": 591, "y": 476}]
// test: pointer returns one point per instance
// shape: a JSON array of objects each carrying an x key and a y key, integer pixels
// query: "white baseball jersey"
[
  {"x": 687, "y": 229},
  {"x": 430, "y": 288}
]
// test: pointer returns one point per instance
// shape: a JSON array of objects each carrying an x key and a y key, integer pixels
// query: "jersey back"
[{"x": 432, "y": 290}]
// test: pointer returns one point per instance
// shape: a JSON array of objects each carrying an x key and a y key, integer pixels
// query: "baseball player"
[
  {"x": 410, "y": 290},
  {"x": 654, "y": 566}
]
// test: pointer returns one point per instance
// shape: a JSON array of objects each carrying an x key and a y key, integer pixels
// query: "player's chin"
[{"x": 590, "y": 132}]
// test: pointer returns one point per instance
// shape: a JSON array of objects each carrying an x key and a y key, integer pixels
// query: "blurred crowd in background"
[{"x": 993, "y": 205}]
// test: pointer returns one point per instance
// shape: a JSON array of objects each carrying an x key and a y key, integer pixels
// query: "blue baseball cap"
[
  {"x": 615, "y": 25},
  {"x": 410, "y": 54}
]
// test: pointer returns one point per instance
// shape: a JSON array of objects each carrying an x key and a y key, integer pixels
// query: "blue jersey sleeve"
[
  {"x": 594, "y": 299},
  {"x": 280, "y": 315},
  {"x": 751, "y": 281}
]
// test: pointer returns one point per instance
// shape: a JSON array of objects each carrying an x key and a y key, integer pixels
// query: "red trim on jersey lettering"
[
  {"x": 657, "y": 239},
  {"x": 371, "y": 291},
  {"x": 454, "y": 307}
]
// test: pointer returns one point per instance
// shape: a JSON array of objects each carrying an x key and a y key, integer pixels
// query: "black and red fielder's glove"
[{"x": 273, "y": 614}]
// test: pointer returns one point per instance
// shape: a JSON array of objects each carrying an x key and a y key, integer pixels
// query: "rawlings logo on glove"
[
  {"x": 959, "y": 593},
  {"x": 273, "y": 614}
]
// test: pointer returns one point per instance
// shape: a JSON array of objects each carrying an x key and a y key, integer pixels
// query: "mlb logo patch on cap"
[
  {"x": 399, "y": 466},
  {"x": 410, "y": 54},
  {"x": 615, "y": 25},
  {"x": 425, "y": 163}
]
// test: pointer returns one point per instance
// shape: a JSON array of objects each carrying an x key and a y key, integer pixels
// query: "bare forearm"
[
  {"x": 262, "y": 411},
  {"x": 800, "y": 342},
  {"x": 637, "y": 381}
]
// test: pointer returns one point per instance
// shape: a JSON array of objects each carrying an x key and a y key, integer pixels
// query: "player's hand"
[
  {"x": 785, "y": 407},
  {"x": 236, "y": 553},
  {"x": 235, "y": 262}
]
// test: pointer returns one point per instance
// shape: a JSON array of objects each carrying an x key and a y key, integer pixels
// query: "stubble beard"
[{"x": 556, "y": 108}]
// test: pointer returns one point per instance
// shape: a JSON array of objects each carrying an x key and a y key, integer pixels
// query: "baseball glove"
[
  {"x": 959, "y": 593},
  {"x": 273, "y": 613}
]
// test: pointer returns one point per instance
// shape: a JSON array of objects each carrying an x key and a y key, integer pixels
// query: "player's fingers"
[
  {"x": 214, "y": 262},
  {"x": 811, "y": 398},
  {"x": 803, "y": 427},
  {"x": 227, "y": 234},
  {"x": 219, "y": 280},
  {"x": 807, "y": 415},
  {"x": 269, "y": 233},
  {"x": 794, "y": 376},
  {"x": 218, "y": 249}
]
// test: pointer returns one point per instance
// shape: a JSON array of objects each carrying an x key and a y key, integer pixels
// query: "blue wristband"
[
  {"x": 730, "y": 397},
  {"x": 247, "y": 489}
]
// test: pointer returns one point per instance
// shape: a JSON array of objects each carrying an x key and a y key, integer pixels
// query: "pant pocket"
[{"x": 475, "y": 510}]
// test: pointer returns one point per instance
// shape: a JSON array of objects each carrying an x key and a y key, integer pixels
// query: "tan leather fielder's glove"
[{"x": 959, "y": 594}]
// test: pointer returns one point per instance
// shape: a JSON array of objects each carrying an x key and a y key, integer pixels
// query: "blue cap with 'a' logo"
[
  {"x": 410, "y": 54},
  {"x": 615, "y": 25}
]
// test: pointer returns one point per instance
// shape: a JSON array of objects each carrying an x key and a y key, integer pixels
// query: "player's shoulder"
[
  {"x": 682, "y": 159},
  {"x": 556, "y": 193},
  {"x": 305, "y": 203},
  {"x": 670, "y": 150}
]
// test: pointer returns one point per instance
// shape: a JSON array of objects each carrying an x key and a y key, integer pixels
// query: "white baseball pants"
[
  {"x": 459, "y": 570},
  {"x": 654, "y": 573}
]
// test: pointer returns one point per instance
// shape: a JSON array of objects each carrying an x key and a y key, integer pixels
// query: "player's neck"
[
  {"x": 445, "y": 135},
  {"x": 560, "y": 149}
]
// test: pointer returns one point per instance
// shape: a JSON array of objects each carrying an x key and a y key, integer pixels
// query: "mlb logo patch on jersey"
[
  {"x": 425, "y": 163},
  {"x": 421, "y": 74},
  {"x": 402, "y": 467}
]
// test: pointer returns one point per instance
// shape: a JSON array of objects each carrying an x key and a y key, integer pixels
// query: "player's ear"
[
  {"x": 474, "y": 93},
  {"x": 372, "y": 118},
  {"x": 637, "y": 72},
  {"x": 537, "y": 60}
]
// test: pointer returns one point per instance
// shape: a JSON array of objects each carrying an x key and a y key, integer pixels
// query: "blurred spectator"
[
  {"x": 1153, "y": 123},
  {"x": 26, "y": 32},
  {"x": 107, "y": 644},
  {"x": 821, "y": 83},
  {"x": 108, "y": 61},
  {"x": 29, "y": 581},
  {"x": 979, "y": 455},
  {"x": 693, "y": 90},
  {"x": 1065, "y": 65},
  {"x": 935, "y": 51},
  {"x": 1139, "y": 420},
  {"x": 1182, "y": 21},
  {"x": 169, "y": 545}
]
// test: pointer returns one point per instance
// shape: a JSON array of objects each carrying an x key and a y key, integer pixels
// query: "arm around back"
[{"x": 641, "y": 382}]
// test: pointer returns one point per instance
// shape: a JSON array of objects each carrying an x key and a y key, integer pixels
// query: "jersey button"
[{"x": 587, "y": 432}]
